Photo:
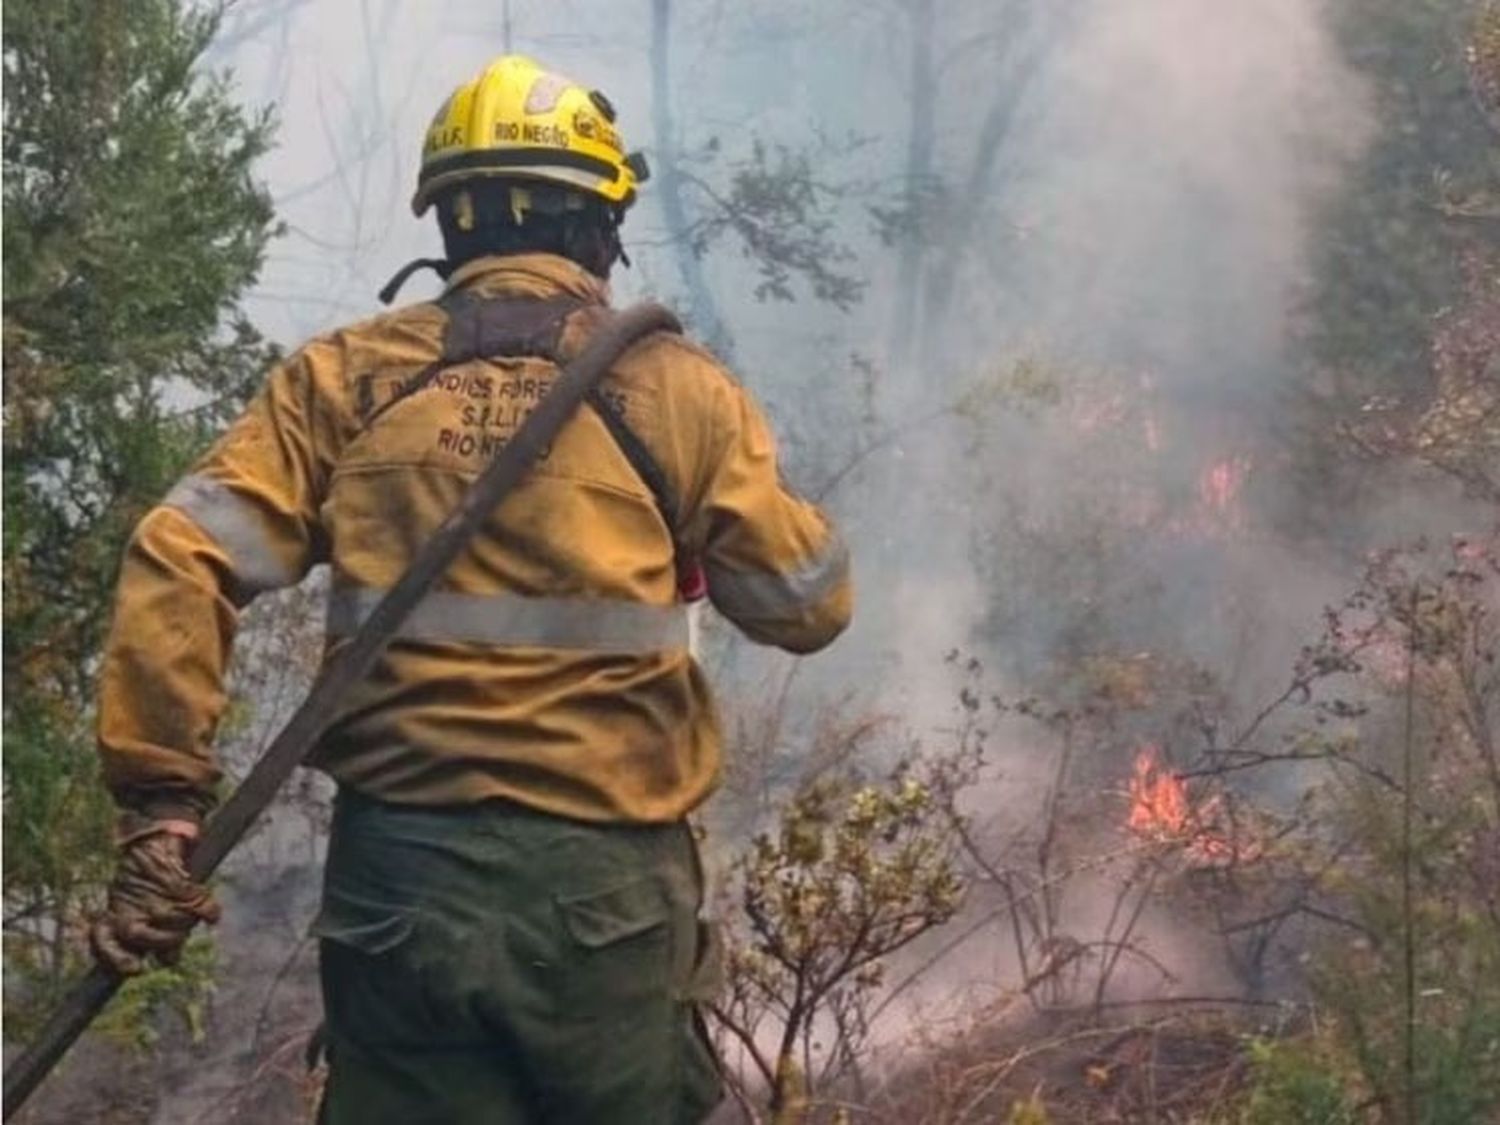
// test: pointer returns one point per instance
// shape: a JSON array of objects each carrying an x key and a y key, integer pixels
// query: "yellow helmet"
[{"x": 519, "y": 120}]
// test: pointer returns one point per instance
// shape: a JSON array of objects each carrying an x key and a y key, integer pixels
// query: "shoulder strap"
[
  {"x": 489, "y": 327},
  {"x": 493, "y": 327},
  {"x": 645, "y": 465}
]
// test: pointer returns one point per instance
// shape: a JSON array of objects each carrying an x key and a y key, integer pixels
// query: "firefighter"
[{"x": 509, "y": 928}]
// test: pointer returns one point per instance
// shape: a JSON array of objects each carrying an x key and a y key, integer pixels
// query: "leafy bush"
[
  {"x": 1295, "y": 1082},
  {"x": 851, "y": 873}
]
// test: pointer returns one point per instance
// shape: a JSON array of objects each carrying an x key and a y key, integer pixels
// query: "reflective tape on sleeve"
[
  {"x": 590, "y": 624},
  {"x": 762, "y": 596},
  {"x": 234, "y": 524}
]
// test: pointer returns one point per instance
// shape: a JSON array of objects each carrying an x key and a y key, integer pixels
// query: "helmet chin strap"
[
  {"x": 440, "y": 266},
  {"x": 617, "y": 247}
]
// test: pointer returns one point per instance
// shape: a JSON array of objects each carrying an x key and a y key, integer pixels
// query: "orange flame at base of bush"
[{"x": 1162, "y": 812}]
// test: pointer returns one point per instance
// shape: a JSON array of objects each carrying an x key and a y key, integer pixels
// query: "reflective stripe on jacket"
[{"x": 550, "y": 664}]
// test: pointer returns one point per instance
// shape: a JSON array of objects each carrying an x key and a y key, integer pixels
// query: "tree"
[
  {"x": 1412, "y": 236},
  {"x": 133, "y": 226},
  {"x": 1451, "y": 421},
  {"x": 771, "y": 201},
  {"x": 938, "y": 223},
  {"x": 703, "y": 309}
]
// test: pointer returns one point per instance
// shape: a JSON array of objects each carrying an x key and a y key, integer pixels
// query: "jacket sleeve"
[
  {"x": 243, "y": 521},
  {"x": 774, "y": 562}
]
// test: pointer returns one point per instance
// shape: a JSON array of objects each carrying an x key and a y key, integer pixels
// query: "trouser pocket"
[
  {"x": 617, "y": 951},
  {"x": 375, "y": 983}
]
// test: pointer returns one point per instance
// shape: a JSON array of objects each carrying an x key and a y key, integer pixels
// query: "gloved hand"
[{"x": 153, "y": 902}]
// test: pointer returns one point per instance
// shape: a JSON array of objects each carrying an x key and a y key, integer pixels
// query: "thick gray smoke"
[
  {"x": 1165, "y": 192},
  {"x": 1147, "y": 239}
]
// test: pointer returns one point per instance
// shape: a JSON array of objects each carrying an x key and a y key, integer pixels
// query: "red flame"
[
  {"x": 1153, "y": 434},
  {"x": 1158, "y": 798},
  {"x": 1162, "y": 812},
  {"x": 1220, "y": 484}
]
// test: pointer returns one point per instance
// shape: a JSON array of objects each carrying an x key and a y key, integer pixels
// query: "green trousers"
[{"x": 489, "y": 964}]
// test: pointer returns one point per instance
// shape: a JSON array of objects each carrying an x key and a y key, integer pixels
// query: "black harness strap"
[
  {"x": 489, "y": 328},
  {"x": 499, "y": 327},
  {"x": 646, "y": 466},
  {"x": 515, "y": 327}
]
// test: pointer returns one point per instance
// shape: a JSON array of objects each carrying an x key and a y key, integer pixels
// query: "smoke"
[
  {"x": 1146, "y": 249},
  {"x": 1166, "y": 191}
]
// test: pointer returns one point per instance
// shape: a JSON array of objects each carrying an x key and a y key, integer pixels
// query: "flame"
[
  {"x": 1219, "y": 485},
  {"x": 1151, "y": 425},
  {"x": 1158, "y": 798},
  {"x": 1218, "y": 512},
  {"x": 1161, "y": 811}
]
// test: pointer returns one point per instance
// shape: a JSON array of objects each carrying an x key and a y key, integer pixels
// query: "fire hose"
[{"x": 349, "y": 664}]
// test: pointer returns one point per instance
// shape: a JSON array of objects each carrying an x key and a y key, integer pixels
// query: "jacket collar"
[{"x": 529, "y": 275}]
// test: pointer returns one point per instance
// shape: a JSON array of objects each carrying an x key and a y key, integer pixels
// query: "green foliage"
[
  {"x": 133, "y": 225},
  {"x": 1407, "y": 984},
  {"x": 1296, "y": 1082},
  {"x": 1389, "y": 253},
  {"x": 1420, "y": 853},
  {"x": 184, "y": 987},
  {"x": 1484, "y": 58},
  {"x": 1032, "y": 1111},
  {"x": 849, "y": 868},
  {"x": 1393, "y": 245},
  {"x": 852, "y": 873}
]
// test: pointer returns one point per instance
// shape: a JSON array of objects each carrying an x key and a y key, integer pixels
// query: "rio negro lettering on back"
[{"x": 468, "y": 444}]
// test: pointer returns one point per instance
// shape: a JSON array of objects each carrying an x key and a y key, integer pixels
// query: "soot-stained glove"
[{"x": 153, "y": 902}]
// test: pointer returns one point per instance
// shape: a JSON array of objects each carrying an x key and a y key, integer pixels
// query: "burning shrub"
[
  {"x": 1343, "y": 840},
  {"x": 1163, "y": 811}
]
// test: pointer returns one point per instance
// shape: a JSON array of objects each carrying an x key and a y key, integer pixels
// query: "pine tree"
[
  {"x": 133, "y": 225},
  {"x": 1405, "y": 244}
]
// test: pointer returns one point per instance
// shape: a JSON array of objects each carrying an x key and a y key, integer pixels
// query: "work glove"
[{"x": 153, "y": 902}]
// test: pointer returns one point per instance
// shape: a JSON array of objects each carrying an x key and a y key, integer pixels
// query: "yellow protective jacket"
[{"x": 550, "y": 664}]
